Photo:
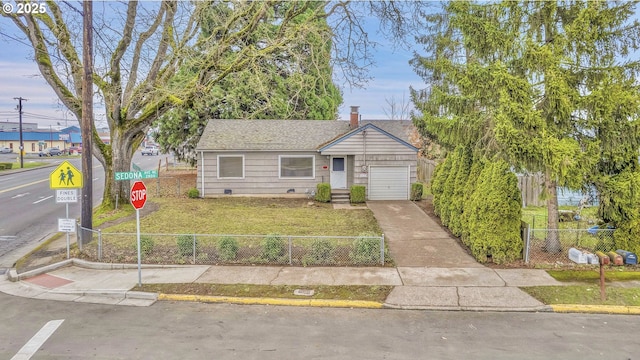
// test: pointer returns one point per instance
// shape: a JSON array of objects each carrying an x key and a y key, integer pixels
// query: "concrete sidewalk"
[
  {"x": 478, "y": 289},
  {"x": 433, "y": 272}
]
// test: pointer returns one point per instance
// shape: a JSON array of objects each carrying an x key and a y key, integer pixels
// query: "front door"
[{"x": 338, "y": 172}]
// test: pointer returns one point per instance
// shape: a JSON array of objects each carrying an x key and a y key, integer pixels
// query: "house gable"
[{"x": 368, "y": 139}]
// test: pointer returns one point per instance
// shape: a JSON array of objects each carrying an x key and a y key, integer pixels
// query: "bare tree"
[{"x": 141, "y": 50}]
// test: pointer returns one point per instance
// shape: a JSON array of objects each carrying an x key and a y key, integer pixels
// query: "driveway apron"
[{"x": 415, "y": 239}]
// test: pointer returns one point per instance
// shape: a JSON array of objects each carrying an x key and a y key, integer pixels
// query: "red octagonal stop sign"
[{"x": 138, "y": 195}]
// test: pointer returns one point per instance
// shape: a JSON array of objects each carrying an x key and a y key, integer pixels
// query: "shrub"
[
  {"x": 494, "y": 224},
  {"x": 146, "y": 245},
  {"x": 227, "y": 248},
  {"x": 273, "y": 247},
  {"x": 416, "y": 191},
  {"x": 193, "y": 193},
  {"x": 366, "y": 250},
  {"x": 323, "y": 192},
  {"x": 185, "y": 245},
  {"x": 358, "y": 194},
  {"x": 321, "y": 253},
  {"x": 456, "y": 208}
]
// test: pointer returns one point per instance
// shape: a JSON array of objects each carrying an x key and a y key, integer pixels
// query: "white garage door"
[{"x": 389, "y": 183}]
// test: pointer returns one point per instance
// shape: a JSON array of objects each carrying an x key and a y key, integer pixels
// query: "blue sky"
[{"x": 20, "y": 77}]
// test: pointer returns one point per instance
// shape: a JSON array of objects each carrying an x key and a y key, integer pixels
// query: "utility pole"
[
  {"x": 87, "y": 124},
  {"x": 21, "y": 147}
]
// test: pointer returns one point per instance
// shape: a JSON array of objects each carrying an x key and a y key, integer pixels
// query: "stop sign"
[{"x": 138, "y": 195}]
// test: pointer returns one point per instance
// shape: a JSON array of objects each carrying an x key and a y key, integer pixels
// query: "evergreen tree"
[{"x": 541, "y": 84}]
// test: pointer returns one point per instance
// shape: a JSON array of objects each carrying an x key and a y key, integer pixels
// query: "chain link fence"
[
  {"x": 541, "y": 243},
  {"x": 208, "y": 249}
]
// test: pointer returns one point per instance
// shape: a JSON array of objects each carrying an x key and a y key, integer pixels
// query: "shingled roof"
[{"x": 291, "y": 135}]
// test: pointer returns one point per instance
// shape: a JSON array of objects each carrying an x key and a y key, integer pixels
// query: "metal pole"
[
  {"x": 194, "y": 249},
  {"x": 100, "y": 245},
  {"x": 68, "y": 245},
  {"x": 527, "y": 244},
  {"x": 21, "y": 146},
  {"x": 382, "y": 250},
  {"x": 139, "y": 256},
  {"x": 290, "y": 260}
]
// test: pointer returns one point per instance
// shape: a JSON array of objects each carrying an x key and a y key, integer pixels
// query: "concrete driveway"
[{"x": 415, "y": 239}]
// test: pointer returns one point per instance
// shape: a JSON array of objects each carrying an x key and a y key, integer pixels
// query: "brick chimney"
[{"x": 354, "y": 119}]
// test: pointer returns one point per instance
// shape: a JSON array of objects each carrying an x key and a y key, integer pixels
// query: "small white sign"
[
  {"x": 67, "y": 196},
  {"x": 67, "y": 225}
]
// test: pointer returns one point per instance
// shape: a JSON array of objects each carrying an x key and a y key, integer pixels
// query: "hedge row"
[
  {"x": 6, "y": 166},
  {"x": 479, "y": 201}
]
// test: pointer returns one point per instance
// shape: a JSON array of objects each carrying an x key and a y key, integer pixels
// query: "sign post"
[
  {"x": 66, "y": 179},
  {"x": 138, "y": 197}
]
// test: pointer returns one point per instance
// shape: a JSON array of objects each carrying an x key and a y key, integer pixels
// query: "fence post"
[
  {"x": 526, "y": 245},
  {"x": 158, "y": 187},
  {"x": 99, "y": 245},
  {"x": 382, "y": 250},
  {"x": 290, "y": 259},
  {"x": 194, "y": 249}
]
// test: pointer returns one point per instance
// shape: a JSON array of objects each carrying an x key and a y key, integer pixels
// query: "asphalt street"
[
  {"x": 28, "y": 211},
  {"x": 170, "y": 330}
]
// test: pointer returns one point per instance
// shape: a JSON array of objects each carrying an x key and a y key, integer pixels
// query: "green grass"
[
  {"x": 612, "y": 274},
  {"x": 347, "y": 292},
  {"x": 536, "y": 216},
  {"x": 101, "y": 216},
  {"x": 251, "y": 216},
  {"x": 584, "y": 295}
]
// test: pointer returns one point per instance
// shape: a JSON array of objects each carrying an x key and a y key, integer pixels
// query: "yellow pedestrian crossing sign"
[{"x": 65, "y": 176}]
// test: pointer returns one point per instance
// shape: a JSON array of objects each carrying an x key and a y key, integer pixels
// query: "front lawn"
[{"x": 239, "y": 215}]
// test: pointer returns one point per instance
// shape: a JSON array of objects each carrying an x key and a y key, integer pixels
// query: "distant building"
[{"x": 15, "y": 126}]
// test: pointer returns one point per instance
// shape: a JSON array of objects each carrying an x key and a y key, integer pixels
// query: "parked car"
[
  {"x": 52, "y": 151},
  {"x": 75, "y": 150},
  {"x": 6, "y": 150},
  {"x": 150, "y": 150}
]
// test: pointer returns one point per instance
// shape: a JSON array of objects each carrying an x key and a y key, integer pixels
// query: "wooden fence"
[
  {"x": 530, "y": 186},
  {"x": 425, "y": 170}
]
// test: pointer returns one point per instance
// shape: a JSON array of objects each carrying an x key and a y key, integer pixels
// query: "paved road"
[
  {"x": 203, "y": 331},
  {"x": 29, "y": 213}
]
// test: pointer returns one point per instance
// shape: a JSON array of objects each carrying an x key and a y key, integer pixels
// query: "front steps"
[{"x": 339, "y": 196}]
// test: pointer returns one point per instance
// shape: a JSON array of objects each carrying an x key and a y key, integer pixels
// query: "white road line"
[
  {"x": 21, "y": 186},
  {"x": 20, "y": 195},
  {"x": 43, "y": 199},
  {"x": 30, "y": 348}
]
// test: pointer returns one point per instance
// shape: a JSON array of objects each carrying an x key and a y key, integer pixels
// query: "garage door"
[{"x": 389, "y": 183}]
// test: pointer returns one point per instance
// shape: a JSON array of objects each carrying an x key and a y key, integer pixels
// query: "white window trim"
[
  {"x": 313, "y": 166},
  {"x": 229, "y": 155}
]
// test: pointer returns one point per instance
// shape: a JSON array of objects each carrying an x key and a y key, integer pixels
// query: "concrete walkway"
[{"x": 415, "y": 239}]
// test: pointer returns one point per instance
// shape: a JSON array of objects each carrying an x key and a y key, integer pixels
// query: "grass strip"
[
  {"x": 584, "y": 295},
  {"x": 611, "y": 274},
  {"x": 324, "y": 292}
]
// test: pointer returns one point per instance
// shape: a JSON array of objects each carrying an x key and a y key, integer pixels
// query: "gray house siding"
[
  {"x": 261, "y": 174},
  {"x": 361, "y": 163}
]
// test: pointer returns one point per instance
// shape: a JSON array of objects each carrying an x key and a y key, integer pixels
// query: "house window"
[
  {"x": 300, "y": 166},
  {"x": 230, "y": 166}
]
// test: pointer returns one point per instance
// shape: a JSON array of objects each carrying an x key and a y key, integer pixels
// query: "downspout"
[{"x": 202, "y": 173}]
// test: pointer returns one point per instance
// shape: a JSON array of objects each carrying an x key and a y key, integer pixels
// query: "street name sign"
[
  {"x": 136, "y": 175},
  {"x": 67, "y": 196},
  {"x": 65, "y": 176}
]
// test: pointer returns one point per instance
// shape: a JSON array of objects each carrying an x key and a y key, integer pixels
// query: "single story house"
[{"x": 271, "y": 157}]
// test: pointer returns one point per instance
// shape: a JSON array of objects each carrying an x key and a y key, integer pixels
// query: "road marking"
[
  {"x": 41, "y": 200},
  {"x": 20, "y": 195},
  {"x": 30, "y": 348},
  {"x": 7, "y": 238},
  {"x": 23, "y": 185}
]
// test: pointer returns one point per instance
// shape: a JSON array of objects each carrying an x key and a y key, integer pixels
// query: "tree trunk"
[
  {"x": 116, "y": 193},
  {"x": 552, "y": 241}
]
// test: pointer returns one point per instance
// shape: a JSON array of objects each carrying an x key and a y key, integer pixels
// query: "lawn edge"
[{"x": 363, "y": 304}]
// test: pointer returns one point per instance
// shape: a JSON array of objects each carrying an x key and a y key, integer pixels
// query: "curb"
[
  {"x": 535, "y": 309},
  {"x": 13, "y": 275},
  {"x": 273, "y": 301},
  {"x": 596, "y": 309}
]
